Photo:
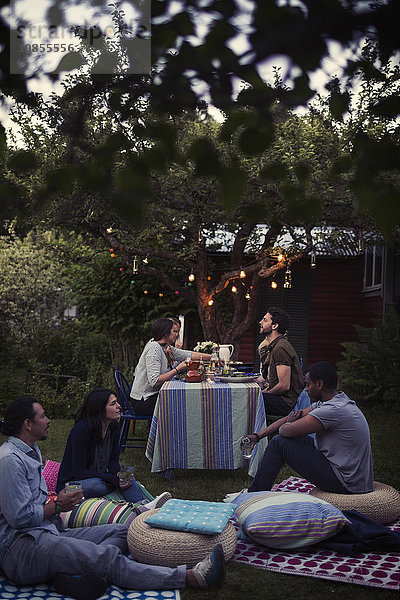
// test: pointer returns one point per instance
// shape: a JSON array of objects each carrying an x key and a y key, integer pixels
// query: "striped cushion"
[
  {"x": 286, "y": 519},
  {"x": 99, "y": 511}
]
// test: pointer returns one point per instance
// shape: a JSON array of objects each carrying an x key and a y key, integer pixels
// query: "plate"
[{"x": 236, "y": 379}]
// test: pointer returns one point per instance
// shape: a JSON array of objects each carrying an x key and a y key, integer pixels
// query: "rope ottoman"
[
  {"x": 382, "y": 505},
  {"x": 164, "y": 547}
]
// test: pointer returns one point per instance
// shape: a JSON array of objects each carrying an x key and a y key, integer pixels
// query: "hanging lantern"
[
  {"x": 112, "y": 255},
  {"x": 242, "y": 274},
  {"x": 288, "y": 279},
  {"x": 208, "y": 277},
  {"x": 145, "y": 292},
  {"x": 274, "y": 285},
  {"x": 313, "y": 259},
  {"x": 191, "y": 276},
  {"x": 109, "y": 229},
  {"x": 135, "y": 267},
  {"x": 210, "y": 302},
  {"x": 161, "y": 294},
  {"x": 234, "y": 289}
]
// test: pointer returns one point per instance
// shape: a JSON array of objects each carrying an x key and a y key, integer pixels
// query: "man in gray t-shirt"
[{"x": 338, "y": 459}]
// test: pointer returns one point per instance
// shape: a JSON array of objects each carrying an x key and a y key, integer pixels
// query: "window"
[{"x": 373, "y": 268}]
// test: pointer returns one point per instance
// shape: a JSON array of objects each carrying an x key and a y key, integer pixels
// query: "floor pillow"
[
  {"x": 198, "y": 516},
  {"x": 286, "y": 520},
  {"x": 100, "y": 511},
  {"x": 50, "y": 474}
]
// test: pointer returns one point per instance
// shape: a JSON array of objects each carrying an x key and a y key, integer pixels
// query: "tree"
[
  {"x": 186, "y": 229},
  {"x": 299, "y": 31}
]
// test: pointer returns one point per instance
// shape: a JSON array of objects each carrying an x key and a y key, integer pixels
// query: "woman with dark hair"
[
  {"x": 91, "y": 453},
  {"x": 159, "y": 362}
]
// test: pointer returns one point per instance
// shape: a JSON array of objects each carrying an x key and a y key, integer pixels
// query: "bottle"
[
  {"x": 213, "y": 361},
  {"x": 201, "y": 365}
]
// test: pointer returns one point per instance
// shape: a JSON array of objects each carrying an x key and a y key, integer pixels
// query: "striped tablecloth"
[{"x": 199, "y": 425}]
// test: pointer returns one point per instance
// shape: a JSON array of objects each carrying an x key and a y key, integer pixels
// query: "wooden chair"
[{"x": 128, "y": 415}]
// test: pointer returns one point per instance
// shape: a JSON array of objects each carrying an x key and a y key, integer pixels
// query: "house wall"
[{"x": 335, "y": 306}]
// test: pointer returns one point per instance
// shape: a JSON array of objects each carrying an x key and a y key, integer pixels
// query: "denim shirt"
[{"x": 23, "y": 492}]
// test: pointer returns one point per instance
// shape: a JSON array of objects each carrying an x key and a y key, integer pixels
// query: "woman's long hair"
[{"x": 93, "y": 411}]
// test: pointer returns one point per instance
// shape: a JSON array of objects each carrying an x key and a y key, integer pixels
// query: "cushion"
[
  {"x": 99, "y": 511},
  {"x": 50, "y": 474},
  {"x": 197, "y": 516},
  {"x": 154, "y": 546},
  {"x": 287, "y": 519},
  {"x": 382, "y": 505}
]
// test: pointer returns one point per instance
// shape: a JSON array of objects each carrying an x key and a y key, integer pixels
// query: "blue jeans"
[
  {"x": 94, "y": 487},
  {"x": 275, "y": 405},
  {"x": 302, "y": 456}
]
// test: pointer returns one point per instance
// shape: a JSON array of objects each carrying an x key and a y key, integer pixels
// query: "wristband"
[
  {"x": 257, "y": 437},
  {"x": 177, "y": 372}
]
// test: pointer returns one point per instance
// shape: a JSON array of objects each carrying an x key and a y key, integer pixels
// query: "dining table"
[{"x": 200, "y": 425}]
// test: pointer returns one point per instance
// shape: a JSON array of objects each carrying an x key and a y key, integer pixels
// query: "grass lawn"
[{"x": 249, "y": 582}]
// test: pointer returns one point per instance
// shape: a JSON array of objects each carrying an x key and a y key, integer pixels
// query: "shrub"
[{"x": 371, "y": 366}]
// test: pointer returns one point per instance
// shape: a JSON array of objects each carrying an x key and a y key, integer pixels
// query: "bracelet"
[
  {"x": 51, "y": 498},
  {"x": 177, "y": 372},
  {"x": 257, "y": 437}
]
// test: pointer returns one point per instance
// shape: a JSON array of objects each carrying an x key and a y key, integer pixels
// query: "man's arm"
[{"x": 283, "y": 372}]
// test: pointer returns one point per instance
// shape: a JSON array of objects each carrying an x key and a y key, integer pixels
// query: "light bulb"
[
  {"x": 210, "y": 302},
  {"x": 242, "y": 274},
  {"x": 274, "y": 285},
  {"x": 191, "y": 277},
  {"x": 234, "y": 289}
]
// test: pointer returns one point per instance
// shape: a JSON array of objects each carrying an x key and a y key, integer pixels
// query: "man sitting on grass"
[
  {"x": 80, "y": 562},
  {"x": 339, "y": 460}
]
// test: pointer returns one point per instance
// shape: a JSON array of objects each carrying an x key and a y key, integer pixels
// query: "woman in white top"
[{"x": 156, "y": 366}]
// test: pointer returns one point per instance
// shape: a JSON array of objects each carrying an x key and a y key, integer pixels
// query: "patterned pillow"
[
  {"x": 286, "y": 519},
  {"x": 50, "y": 474},
  {"x": 197, "y": 516},
  {"x": 100, "y": 511}
]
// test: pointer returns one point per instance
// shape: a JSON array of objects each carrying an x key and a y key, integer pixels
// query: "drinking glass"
[
  {"x": 245, "y": 447},
  {"x": 125, "y": 475},
  {"x": 73, "y": 486}
]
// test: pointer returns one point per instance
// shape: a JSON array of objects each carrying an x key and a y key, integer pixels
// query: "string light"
[
  {"x": 145, "y": 292},
  {"x": 111, "y": 249},
  {"x": 210, "y": 302},
  {"x": 146, "y": 260},
  {"x": 161, "y": 294},
  {"x": 274, "y": 285},
  {"x": 208, "y": 277},
  {"x": 112, "y": 255},
  {"x": 177, "y": 292},
  {"x": 191, "y": 276},
  {"x": 288, "y": 279},
  {"x": 234, "y": 289},
  {"x": 247, "y": 296},
  {"x": 109, "y": 229},
  {"x": 280, "y": 257},
  {"x": 313, "y": 260},
  {"x": 121, "y": 269},
  {"x": 135, "y": 267},
  {"x": 242, "y": 274}
]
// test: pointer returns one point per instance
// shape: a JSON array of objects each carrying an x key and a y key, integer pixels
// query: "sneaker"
[
  {"x": 80, "y": 587},
  {"x": 158, "y": 501},
  {"x": 210, "y": 572}
]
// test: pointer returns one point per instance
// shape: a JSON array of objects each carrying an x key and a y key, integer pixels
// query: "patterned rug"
[
  {"x": 371, "y": 569},
  {"x": 10, "y": 591}
]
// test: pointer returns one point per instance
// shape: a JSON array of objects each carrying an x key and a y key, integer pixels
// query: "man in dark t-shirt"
[{"x": 281, "y": 370}]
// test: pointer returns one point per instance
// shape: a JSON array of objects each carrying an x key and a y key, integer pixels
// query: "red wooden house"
[{"x": 325, "y": 302}]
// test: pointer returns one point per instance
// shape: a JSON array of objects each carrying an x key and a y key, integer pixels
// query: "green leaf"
[
  {"x": 254, "y": 140},
  {"x": 205, "y": 156},
  {"x": 23, "y": 160},
  {"x": 232, "y": 183},
  {"x": 70, "y": 61},
  {"x": 339, "y": 104}
]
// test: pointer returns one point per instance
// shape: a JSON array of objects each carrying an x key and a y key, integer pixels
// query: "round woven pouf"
[
  {"x": 167, "y": 548},
  {"x": 382, "y": 505}
]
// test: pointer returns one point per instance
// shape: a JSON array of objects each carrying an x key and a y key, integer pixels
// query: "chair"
[{"x": 128, "y": 415}]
